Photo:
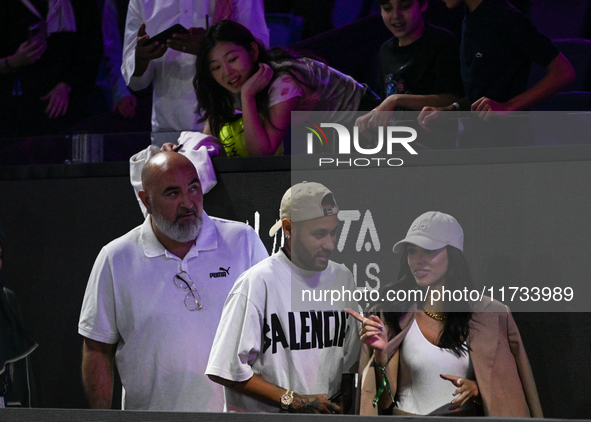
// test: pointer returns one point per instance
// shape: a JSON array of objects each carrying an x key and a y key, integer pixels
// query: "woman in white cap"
[{"x": 442, "y": 358}]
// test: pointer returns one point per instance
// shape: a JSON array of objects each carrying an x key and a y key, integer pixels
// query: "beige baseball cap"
[
  {"x": 433, "y": 230},
  {"x": 303, "y": 202}
]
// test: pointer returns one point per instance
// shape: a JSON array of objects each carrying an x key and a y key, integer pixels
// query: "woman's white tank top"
[{"x": 420, "y": 388}]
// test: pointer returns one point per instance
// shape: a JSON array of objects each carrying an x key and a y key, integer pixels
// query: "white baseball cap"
[
  {"x": 303, "y": 202},
  {"x": 433, "y": 230}
]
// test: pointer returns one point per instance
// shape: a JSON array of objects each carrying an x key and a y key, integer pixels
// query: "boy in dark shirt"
[
  {"x": 419, "y": 66},
  {"x": 498, "y": 45}
]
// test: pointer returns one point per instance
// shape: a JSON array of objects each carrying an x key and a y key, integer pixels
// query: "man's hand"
[
  {"x": 429, "y": 114},
  {"x": 144, "y": 53},
  {"x": 373, "y": 119},
  {"x": 363, "y": 122},
  {"x": 186, "y": 43},
  {"x": 59, "y": 99},
  {"x": 344, "y": 401},
  {"x": 260, "y": 389},
  {"x": 314, "y": 403},
  {"x": 126, "y": 106},
  {"x": 486, "y": 108}
]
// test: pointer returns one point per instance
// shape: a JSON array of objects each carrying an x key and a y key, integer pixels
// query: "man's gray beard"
[{"x": 182, "y": 233}]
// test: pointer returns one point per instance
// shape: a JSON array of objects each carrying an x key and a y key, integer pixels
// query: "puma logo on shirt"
[{"x": 222, "y": 273}]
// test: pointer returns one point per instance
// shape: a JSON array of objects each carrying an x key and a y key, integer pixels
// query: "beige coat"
[{"x": 503, "y": 373}]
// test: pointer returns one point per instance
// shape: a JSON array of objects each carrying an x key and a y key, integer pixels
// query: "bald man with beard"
[{"x": 155, "y": 296}]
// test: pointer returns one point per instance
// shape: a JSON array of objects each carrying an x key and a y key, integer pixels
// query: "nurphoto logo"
[{"x": 387, "y": 136}]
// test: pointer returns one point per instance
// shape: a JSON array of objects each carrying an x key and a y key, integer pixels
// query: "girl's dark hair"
[
  {"x": 214, "y": 101},
  {"x": 456, "y": 325}
]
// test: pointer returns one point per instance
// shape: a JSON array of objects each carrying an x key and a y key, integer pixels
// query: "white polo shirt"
[{"x": 162, "y": 347}]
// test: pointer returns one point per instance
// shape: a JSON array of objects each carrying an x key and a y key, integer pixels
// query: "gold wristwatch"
[{"x": 286, "y": 399}]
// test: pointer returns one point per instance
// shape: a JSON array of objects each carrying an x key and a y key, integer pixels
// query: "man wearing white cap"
[{"x": 270, "y": 356}]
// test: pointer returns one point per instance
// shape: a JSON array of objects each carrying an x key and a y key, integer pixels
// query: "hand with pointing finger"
[{"x": 373, "y": 333}]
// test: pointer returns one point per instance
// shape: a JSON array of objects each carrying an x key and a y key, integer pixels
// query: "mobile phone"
[
  {"x": 167, "y": 34},
  {"x": 336, "y": 396}
]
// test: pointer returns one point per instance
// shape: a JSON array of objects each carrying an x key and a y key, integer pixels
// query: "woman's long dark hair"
[
  {"x": 214, "y": 101},
  {"x": 456, "y": 326}
]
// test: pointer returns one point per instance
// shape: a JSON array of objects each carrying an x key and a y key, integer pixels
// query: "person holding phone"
[
  {"x": 22, "y": 59},
  {"x": 169, "y": 64},
  {"x": 51, "y": 54},
  {"x": 433, "y": 358}
]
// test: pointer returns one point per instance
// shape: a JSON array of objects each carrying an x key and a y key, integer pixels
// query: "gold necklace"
[{"x": 439, "y": 316}]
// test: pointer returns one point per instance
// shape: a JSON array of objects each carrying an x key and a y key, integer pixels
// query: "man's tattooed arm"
[
  {"x": 262, "y": 390},
  {"x": 312, "y": 404}
]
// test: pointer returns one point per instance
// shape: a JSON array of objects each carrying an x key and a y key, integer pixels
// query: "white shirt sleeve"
[
  {"x": 352, "y": 346},
  {"x": 98, "y": 317},
  {"x": 238, "y": 339},
  {"x": 135, "y": 18}
]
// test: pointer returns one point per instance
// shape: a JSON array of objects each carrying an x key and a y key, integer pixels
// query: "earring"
[{"x": 287, "y": 236}]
